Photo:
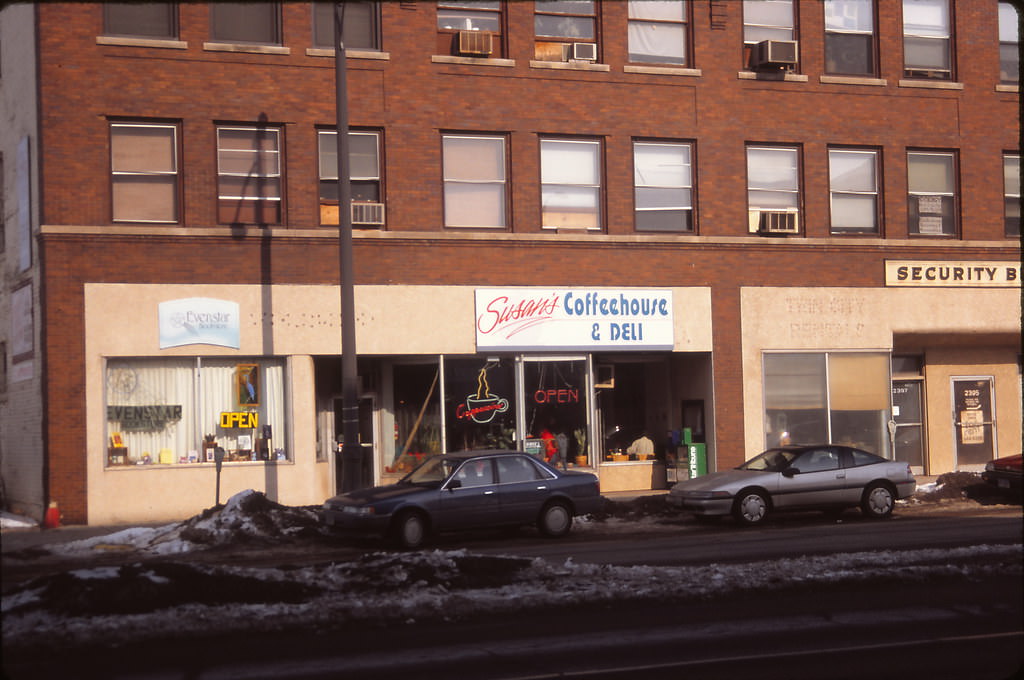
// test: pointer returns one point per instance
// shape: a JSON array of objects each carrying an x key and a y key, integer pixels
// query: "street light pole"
[{"x": 351, "y": 451}]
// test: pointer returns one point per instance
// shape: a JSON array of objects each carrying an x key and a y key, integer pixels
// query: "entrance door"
[
  {"x": 973, "y": 422},
  {"x": 367, "y": 427},
  {"x": 907, "y": 413}
]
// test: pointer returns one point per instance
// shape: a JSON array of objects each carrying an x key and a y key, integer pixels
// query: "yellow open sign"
[{"x": 239, "y": 419}]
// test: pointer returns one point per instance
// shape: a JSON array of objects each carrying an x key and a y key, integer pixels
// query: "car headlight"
[
  {"x": 363, "y": 510},
  {"x": 989, "y": 466},
  {"x": 709, "y": 494}
]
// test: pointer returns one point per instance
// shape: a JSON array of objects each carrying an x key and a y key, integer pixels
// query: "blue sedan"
[{"x": 467, "y": 490}]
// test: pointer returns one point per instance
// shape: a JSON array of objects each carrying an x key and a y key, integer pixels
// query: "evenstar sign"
[
  {"x": 524, "y": 319},
  {"x": 199, "y": 321}
]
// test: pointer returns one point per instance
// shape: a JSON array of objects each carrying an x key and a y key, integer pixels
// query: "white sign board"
[
  {"x": 573, "y": 319},
  {"x": 199, "y": 321}
]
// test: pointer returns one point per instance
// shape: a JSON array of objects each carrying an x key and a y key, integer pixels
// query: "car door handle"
[
  {"x": 488, "y": 493},
  {"x": 841, "y": 475},
  {"x": 541, "y": 487}
]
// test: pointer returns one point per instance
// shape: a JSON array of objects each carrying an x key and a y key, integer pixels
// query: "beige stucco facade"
[{"x": 956, "y": 328}]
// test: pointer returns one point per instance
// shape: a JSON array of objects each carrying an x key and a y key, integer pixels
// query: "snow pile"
[{"x": 136, "y": 602}]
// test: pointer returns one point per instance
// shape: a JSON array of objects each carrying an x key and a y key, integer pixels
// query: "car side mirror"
[
  {"x": 454, "y": 484},
  {"x": 790, "y": 472}
]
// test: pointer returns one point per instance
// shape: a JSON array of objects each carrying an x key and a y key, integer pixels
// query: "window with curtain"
[
  {"x": 570, "y": 176},
  {"x": 560, "y": 23},
  {"x": 144, "y": 172},
  {"x": 249, "y": 175},
  {"x": 246, "y": 22},
  {"x": 773, "y": 178},
  {"x": 926, "y": 39},
  {"x": 1009, "y": 44},
  {"x": 474, "y": 181},
  {"x": 1011, "y": 191},
  {"x": 853, "y": 186},
  {"x": 850, "y": 37},
  {"x": 657, "y": 32},
  {"x": 364, "y": 175},
  {"x": 663, "y": 186},
  {"x": 169, "y": 411},
  {"x": 360, "y": 25},
  {"x": 828, "y": 397},
  {"x": 157, "y": 20},
  {"x": 931, "y": 182}
]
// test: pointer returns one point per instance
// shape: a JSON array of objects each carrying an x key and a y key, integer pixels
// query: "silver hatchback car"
[{"x": 818, "y": 477}]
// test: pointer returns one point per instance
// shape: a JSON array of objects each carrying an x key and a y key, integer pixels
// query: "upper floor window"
[
  {"x": 246, "y": 22},
  {"x": 764, "y": 20},
  {"x": 468, "y": 28},
  {"x": 141, "y": 19},
  {"x": 850, "y": 37},
  {"x": 364, "y": 177},
  {"x": 474, "y": 181},
  {"x": 144, "y": 172},
  {"x": 853, "y": 186},
  {"x": 663, "y": 186},
  {"x": 1011, "y": 193},
  {"x": 773, "y": 188},
  {"x": 657, "y": 31},
  {"x": 926, "y": 39},
  {"x": 1009, "y": 39},
  {"x": 249, "y": 177},
  {"x": 570, "y": 178},
  {"x": 565, "y": 30},
  {"x": 931, "y": 184},
  {"x": 360, "y": 23}
]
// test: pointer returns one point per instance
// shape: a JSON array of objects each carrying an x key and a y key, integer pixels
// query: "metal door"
[{"x": 908, "y": 417}]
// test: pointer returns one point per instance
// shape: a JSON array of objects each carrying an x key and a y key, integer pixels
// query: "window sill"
[
  {"x": 786, "y": 77},
  {"x": 246, "y": 48},
  {"x": 931, "y": 84},
  {"x": 471, "y": 61},
  {"x": 1008, "y": 88},
  {"x": 142, "y": 42},
  {"x": 570, "y": 66},
  {"x": 349, "y": 54},
  {"x": 663, "y": 70},
  {"x": 853, "y": 80}
]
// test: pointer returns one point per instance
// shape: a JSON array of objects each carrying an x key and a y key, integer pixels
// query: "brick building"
[{"x": 737, "y": 222}]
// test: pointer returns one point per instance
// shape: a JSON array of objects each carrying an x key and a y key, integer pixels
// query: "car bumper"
[
  {"x": 906, "y": 489},
  {"x": 347, "y": 522},
  {"x": 1010, "y": 481},
  {"x": 701, "y": 506}
]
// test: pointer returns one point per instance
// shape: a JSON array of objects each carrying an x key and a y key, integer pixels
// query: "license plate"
[{"x": 1003, "y": 483}]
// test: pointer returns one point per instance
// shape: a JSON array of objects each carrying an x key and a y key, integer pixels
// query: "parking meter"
[{"x": 218, "y": 460}]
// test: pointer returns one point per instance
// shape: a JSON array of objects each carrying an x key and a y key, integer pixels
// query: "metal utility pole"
[{"x": 351, "y": 450}]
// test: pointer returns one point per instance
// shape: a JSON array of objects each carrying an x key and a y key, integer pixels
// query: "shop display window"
[
  {"x": 839, "y": 397},
  {"x": 417, "y": 395},
  {"x": 479, "y": 400},
  {"x": 179, "y": 411}
]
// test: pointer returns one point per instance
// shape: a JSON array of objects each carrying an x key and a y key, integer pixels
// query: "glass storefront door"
[
  {"x": 555, "y": 407},
  {"x": 973, "y": 420},
  {"x": 907, "y": 414}
]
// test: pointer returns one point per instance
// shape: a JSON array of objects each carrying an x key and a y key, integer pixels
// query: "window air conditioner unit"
[
  {"x": 773, "y": 222},
  {"x": 774, "y": 53},
  {"x": 368, "y": 213},
  {"x": 584, "y": 52},
  {"x": 476, "y": 43}
]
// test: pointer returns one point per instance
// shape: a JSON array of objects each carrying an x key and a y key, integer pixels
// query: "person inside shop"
[
  {"x": 642, "y": 447},
  {"x": 550, "y": 443}
]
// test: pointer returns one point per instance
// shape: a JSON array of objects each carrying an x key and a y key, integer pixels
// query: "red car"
[{"x": 1005, "y": 473}]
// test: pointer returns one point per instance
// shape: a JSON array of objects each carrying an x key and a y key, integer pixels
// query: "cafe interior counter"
[{"x": 632, "y": 475}]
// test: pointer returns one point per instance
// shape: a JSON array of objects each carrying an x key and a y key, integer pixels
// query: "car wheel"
[
  {"x": 751, "y": 507},
  {"x": 555, "y": 520},
  {"x": 410, "y": 530},
  {"x": 878, "y": 501}
]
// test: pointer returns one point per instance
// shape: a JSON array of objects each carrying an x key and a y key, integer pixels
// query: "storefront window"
[
  {"x": 841, "y": 398},
  {"x": 479, "y": 396},
  {"x": 417, "y": 398},
  {"x": 178, "y": 411},
  {"x": 556, "y": 409}
]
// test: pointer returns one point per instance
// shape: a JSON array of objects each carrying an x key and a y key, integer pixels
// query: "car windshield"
[
  {"x": 772, "y": 460},
  {"x": 431, "y": 471}
]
